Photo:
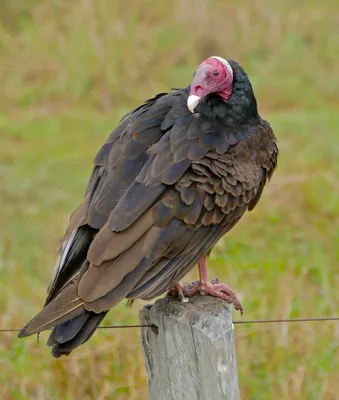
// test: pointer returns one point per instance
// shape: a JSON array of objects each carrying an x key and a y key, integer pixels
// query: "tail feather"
[
  {"x": 88, "y": 325},
  {"x": 67, "y": 330},
  {"x": 67, "y": 305}
]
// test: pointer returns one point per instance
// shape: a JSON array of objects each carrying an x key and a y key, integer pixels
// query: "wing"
[{"x": 116, "y": 165}]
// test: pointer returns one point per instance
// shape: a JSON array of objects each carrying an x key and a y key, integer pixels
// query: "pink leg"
[
  {"x": 213, "y": 288},
  {"x": 203, "y": 272}
]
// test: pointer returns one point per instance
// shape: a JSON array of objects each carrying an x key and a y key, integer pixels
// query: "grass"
[{"x": 68, "y": 72}]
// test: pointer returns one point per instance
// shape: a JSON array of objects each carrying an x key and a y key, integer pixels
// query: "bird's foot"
[
  {"x": 178, "y": 291},
  {"x": 213, "y": 288}
]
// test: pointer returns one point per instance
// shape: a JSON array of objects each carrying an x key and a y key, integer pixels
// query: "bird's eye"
[{"x": 216, "y": 73}]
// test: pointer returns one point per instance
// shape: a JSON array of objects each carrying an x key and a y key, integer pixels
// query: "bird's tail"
[
  {"x": 73, "y": 333},
  {"x": 73, "y": 325}
]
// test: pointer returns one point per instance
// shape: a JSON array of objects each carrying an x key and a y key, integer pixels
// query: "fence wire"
[{"x": 240, "y": 322}]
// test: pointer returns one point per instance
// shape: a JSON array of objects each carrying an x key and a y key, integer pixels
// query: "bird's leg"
[
  {"x": 213, "y": 288},
  {"x": 177, "y": 290}
]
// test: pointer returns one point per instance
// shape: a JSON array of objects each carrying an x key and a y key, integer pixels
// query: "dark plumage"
[{"x": 166, "y": 186}]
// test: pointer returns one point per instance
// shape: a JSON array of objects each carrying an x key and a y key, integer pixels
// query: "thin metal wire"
[
  {"x": 278, "y": 321},
  {"x": 256, "y": 321},
  {"x": 125, "y": 326}
]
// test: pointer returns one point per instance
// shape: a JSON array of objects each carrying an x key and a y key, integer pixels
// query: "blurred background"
[{"x": 68, "y": 73}]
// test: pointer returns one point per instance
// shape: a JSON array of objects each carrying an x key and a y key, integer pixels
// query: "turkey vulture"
[{"x": 176, "y": 174}]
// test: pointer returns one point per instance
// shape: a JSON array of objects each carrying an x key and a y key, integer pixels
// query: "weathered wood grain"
[{"x": 190, "y": 352}]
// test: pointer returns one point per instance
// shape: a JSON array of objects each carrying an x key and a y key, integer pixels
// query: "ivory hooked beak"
[{"x": 192, "y": 102}]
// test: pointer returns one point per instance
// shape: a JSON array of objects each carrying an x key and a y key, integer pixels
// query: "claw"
[
  {"x": 204, "y": 286},
  {"x": 178, "y": 291},
  {"x": 215, "y": 289}
]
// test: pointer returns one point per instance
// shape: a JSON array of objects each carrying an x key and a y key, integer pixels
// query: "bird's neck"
[{"x": 232, "y": 112}]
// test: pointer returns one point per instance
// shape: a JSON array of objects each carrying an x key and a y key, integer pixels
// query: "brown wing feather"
[{"x": 116, "y": 165}]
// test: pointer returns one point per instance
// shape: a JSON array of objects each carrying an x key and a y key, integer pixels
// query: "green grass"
[{"x": 68, "y": 72}]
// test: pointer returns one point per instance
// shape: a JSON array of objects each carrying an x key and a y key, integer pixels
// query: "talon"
[
  {"x": 214, "y": 288},
  {"x": 178, "y": 291},
  {"x": 205, "y": 287}
]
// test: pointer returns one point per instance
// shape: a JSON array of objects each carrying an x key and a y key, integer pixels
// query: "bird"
[{"x": 175, "y": 175}]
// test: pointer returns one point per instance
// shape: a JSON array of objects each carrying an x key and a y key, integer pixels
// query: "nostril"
[{"x": 197, "y": 89}]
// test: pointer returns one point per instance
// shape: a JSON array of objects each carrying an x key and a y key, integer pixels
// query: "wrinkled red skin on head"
[{"x": 204, "y": 82}]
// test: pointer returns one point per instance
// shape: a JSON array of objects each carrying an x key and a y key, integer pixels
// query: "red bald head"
[{"x": 214, "y": 75}]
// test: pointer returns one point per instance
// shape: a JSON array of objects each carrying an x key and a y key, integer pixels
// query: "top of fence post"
[{"x": 190, "y": 351}]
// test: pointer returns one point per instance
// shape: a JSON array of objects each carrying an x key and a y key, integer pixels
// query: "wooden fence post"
[{"x": 190, "y": 352}]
